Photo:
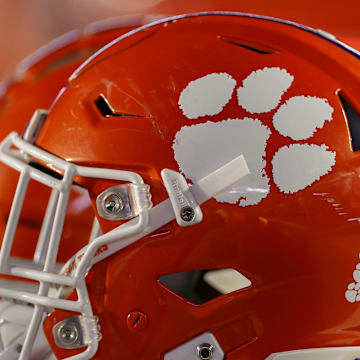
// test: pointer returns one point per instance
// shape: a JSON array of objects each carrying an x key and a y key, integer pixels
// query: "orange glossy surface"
[
  {"x": 297, "y": 250},
  {"x": 41, "y": 77}
]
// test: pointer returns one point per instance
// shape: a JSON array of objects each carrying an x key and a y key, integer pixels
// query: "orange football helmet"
[{"x": 244, "y": 131}]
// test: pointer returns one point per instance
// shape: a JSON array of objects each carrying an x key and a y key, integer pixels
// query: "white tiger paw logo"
[
  {"x": 202, "y": 148},
  {"x": 352, "y": 294}
]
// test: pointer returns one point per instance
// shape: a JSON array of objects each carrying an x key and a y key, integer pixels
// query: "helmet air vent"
[
  {"x": 106, "y": 110},
  {"x": 201, "y": 286},
  {"x": 254, "y": 47},
  {"x": 353, "y": 120}
]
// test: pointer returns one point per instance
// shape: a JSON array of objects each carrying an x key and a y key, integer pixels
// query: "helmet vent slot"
[
  {"x": 353, "y": 120},
  {"x": 201, "y": 286},
  {"x": 106, "y": 110},
  {"x": 257, "y": 48}
]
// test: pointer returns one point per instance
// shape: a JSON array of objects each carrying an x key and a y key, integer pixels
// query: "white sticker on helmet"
[
  {"x": 300, "y": 116},
  {"x": 299, "y": 165},
  {"x": 200, "y": 149},
  {"x": 352, "y": 294},
  {"x": 262, "y": 90},
  {"x": 207, "y": 95}
]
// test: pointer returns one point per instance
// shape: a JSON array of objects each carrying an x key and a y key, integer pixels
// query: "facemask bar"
[{"x": 43, "y": 268}]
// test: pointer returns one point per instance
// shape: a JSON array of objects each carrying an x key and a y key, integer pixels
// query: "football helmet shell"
[{"x": 192, "y": 93}]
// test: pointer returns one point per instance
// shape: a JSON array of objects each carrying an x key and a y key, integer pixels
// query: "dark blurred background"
[{"x": 26, "y": 25}]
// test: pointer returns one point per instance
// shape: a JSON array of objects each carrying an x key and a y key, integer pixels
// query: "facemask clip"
[
  {"x": 187, "y": 210},
  {"x": 124, "y": 201},
  {"x": 70, "y": 333}
]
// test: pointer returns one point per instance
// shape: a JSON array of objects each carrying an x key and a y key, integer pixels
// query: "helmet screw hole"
[
  {"x": 205, "y": 351},
  {"x": 137, "y": 320}
]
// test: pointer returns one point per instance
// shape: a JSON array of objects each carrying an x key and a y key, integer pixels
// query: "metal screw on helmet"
[
  {"x": 187, "y": 213},
  {"x": 137, "y": 320},
  {"x": 113, "y": 204},
  {"x": 68, "y": 333},
  {"x": 205, "y": 351}
]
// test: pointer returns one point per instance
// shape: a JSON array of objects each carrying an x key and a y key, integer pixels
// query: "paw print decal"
[
  {"x": 352, "y": 294},
  {"x": 203, "y": 147}
]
